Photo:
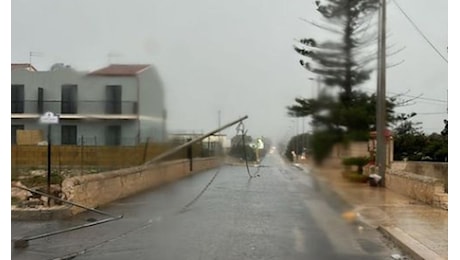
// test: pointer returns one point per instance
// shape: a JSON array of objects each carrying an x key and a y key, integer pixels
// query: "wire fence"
[
  {"x": 123, "y": 141},
  {"x": 88, "y": 157}
]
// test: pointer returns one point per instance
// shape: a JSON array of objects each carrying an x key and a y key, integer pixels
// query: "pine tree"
[{"x": 342, "y": 63}]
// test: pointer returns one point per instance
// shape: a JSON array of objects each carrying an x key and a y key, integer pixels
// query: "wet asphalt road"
[{"x": 283, "y": 213}]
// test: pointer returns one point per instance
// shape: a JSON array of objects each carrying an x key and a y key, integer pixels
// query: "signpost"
[{"x": 49, "y": 118}]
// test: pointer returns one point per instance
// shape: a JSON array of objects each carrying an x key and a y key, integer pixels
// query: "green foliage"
[
  {"x": 241, "y": 147},
  {"x": 355, "y": 177},
  {"x": 241, "y": 151},
  {"x": 336, "y": 123},
  {"x": 298, "y": 144},
  {"x": 318, "y": 144},
  {"x": 411, "y": 143},
  {"x": 418, "y": 147},
  {"x": 360, "y": 162},
  {"x": 322, "y": 144},
  {"x": 339, "y": 63},
  {"x": 351, "y": 114},
  {"x": 404, "y": 125},
  {"x": 36, "y": 181},
  {"x": 327, "y": 112}
]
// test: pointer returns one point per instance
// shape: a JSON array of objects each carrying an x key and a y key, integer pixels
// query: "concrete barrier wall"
[{"x": 100, "y": 189}]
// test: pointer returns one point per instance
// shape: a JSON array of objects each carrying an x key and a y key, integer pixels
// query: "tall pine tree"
[{"x": 342, "y": 63}]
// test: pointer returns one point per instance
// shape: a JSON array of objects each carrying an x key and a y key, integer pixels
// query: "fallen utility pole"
[
  {"x": 178, "y": 148},
  {"x": 24, "y": 242}
]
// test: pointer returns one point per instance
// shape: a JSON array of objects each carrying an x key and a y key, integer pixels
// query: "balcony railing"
[{"x": 76, "y": 108}]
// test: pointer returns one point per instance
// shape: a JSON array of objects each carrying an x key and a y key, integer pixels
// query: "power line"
[
  {"x": 427, "y": 99},
  {"x": 432, "y": 113},
  {"x": 411, "y": 96},
  {"x": 421, "y": 33}
]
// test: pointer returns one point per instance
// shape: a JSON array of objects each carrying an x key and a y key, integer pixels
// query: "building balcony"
[{"x": 75, "y": 110}]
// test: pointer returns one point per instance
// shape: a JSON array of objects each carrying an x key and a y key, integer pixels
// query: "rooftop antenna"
[{"x": 34, "y": 54}]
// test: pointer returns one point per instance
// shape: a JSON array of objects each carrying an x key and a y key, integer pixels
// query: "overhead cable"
[{"x": 419, "y": 31}]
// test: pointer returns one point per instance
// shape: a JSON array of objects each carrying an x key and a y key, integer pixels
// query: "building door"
[
  {"x": 113, "y": 99},
  {"x": 69, "y": 99},
  {"x": 17, "y": 98}
]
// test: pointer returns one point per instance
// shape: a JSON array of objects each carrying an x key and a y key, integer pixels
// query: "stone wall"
[
  {"x": 438, "y": 170},
  {"x": 423, "y": 181},
  {"x": 421, "y": 188},
  {"x": 100, "y": 189}
]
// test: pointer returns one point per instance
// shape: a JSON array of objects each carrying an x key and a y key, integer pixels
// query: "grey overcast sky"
[{"x": 235, "y": 56}]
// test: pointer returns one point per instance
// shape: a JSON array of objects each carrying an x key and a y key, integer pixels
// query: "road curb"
[
  {"x": 408, "y": 244},
  {"x": 59, "y": 212}
]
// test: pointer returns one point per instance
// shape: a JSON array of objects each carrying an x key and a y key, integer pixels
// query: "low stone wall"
[
  {"x": 96, "y": 190},
  {"x": 438, "y": 170},
  {"x": 100, "y": 189},
  {"x": 418, "y": 187}
]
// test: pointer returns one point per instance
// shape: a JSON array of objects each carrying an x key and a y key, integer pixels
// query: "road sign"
[{"x": 49, "y": 118}]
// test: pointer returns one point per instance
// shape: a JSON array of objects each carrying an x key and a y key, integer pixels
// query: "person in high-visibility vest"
[{"x": 259, "y": 146}]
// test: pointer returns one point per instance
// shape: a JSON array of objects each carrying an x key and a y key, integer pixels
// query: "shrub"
[
  {"x": 355, "y": 177},
  {"x": 35, "y": 181},
  {"x": 240, "y": 152},
  {"x": 360, "y": 162}
]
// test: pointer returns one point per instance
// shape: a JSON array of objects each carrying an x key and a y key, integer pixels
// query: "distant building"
[
  {"x": 237, "y": 140},
  {"x": 23, "y": 66},
  {"x": 215, "y": 143},
  {"x": 183, "y": 137},
  {"x": 117, "y": 105}
]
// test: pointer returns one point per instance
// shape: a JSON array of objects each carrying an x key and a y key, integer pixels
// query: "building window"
[
  {"x": 69, "y": 99},
  {"x": 113, "y": 135},
  {"x": 113, "y": 99},
  {"x": 14, "y": 128},
  {"x": 17, "y": 98},
  {"x": 69, "y": 134}
]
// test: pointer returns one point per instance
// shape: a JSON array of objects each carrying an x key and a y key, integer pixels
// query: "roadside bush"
[
  {"x": 36, "y": 181},
  {"x": 355, "y": 177},
  {"x": 359, "y": 162},
  {"x": 240, "y": 152}
]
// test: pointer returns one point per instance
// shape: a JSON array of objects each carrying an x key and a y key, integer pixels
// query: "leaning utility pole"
[
  {"x": 190, "y": 142},
  {"x": 381, "y": 94}
]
